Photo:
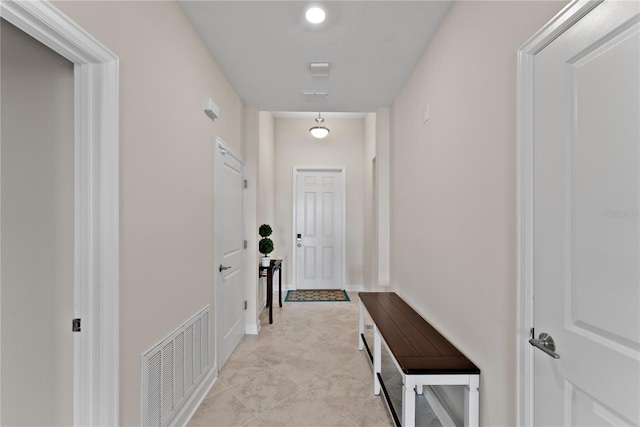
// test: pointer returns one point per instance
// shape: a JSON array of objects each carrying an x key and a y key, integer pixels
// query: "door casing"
[
  {"x": 524, "y": 185},
  {"x": 343, "y": 171},
  {"x": 96, "y": 211}
]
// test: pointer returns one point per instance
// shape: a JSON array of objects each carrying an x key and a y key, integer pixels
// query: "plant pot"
[{"x": 266, "y": 261}]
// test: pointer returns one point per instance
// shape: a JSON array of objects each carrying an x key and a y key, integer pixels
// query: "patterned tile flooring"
[{"x": 304, "y": 370}]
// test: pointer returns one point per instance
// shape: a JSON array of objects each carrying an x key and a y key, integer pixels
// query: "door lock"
[{"x": 545, "y": 343}]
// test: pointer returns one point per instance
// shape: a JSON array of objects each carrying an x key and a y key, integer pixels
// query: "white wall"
[
  {"x": 376, "y": 199},
  {"x": 37, "y": 232},
  {"x": 383, "y": 197},
  {"x": 259, "y": 149},
  {"x": 344, "y": 146},
  {"x": 453, "y": 188},
  {"x": 166, "y": 171},
  {"x": 252, "y": 158},
  {"x": 370, "y": 251},
  {"x": 266, "y": 187},
  {"x": 266, "y": 169}
]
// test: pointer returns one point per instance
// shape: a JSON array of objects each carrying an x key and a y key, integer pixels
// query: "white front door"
[
  {"x": 37, "y": 233},
  {"x": 229, "y": 235},
  {"x": 586, "y": 231},
  {"x": 318, "y": 229}
]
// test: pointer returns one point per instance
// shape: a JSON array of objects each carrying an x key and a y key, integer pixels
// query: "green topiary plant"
[
  {"x": 265, "y": 230},
  {"x": 265, "y": 245}
]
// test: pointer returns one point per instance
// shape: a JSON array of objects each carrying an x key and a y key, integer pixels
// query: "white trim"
[
  {"x": 524, "y": 174},
  {"x": 191, "y": 405},
  {"x": 343, "y": 171},
  {"x": 285, "y": 288},
  {"x": 96, "y": 349},
  {"x": 223, "y": 149},
  {"x": 253, "y": 329}
]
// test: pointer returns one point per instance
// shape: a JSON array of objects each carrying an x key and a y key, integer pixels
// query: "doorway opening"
[{"x": 96, "y": 207}]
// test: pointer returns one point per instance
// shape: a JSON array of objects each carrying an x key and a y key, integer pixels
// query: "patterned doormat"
[{"x": 317, "y": 295}]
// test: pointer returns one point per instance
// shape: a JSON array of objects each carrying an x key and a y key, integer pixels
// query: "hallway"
[
  {"x": 303, "y": 370},
  {"x": 431, "y": 204}
]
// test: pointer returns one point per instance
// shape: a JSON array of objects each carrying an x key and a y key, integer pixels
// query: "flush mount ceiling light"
[
  {"x": 319, "y": 130},
  {"x": 315, "y": 13}
]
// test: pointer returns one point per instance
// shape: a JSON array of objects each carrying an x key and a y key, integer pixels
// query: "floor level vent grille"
[{"x": 171, "y": 369}]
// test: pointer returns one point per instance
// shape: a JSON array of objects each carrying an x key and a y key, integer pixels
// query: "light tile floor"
[{"x": 304, "y": 370}]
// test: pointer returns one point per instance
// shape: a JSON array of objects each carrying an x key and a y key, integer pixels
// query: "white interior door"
[
  {"x": 229, "y": 233},
  {"x": 586, "y": 221},
  {"x": 319, "y": 229},
  {"x": 37, "y": 232}
]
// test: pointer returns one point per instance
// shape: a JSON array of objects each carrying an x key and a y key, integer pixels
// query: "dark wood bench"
[{"x": 422, "y": 355}]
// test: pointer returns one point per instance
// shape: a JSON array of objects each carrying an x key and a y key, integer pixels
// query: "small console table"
[{"x": 276, "y": 265}]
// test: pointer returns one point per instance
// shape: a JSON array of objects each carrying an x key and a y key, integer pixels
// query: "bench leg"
[
  {"x": 377, "y": 359},
  {"x": 360, "y": 325},
  {"x": 472, "y": 402},
  {"x": 408, "y": 406}
]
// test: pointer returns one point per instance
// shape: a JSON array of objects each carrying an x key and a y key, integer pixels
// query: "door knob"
[
  {"x": 224, "y": 267},
  {"x": 545, "y": 343}
]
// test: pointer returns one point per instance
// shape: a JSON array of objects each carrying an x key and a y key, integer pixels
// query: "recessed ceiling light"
[{"x": 315, "y": 13}]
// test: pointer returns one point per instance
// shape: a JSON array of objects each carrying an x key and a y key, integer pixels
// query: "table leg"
[
  {"x": 268, "y": 284},
  {"x": 270, "y": 294},
  {"x": 408, "y": 406},
  {"x": 472, "y": 402},
  {"x": 360, "y": 325},
  {"x": 280, "y": 285}
]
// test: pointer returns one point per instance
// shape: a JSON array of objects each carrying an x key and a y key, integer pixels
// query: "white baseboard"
[
  {"x": 190, "y": 406},
  {"x": 252, "y": 329},
  {"x": 439, "y": 407}
]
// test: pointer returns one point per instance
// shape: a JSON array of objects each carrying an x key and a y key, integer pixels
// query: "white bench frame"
[{"x": 412, "y": 384}]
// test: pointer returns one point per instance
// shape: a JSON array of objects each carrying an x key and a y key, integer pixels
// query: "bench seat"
[{"x": 422, "y": 355}]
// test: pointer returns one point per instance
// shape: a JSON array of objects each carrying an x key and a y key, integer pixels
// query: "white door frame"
[
  {"x": 96, "y": 241},
  {"x": 222, "y": 148},
  {"x": 294, "y": 258},
  {"x": 524, "y": 174}
]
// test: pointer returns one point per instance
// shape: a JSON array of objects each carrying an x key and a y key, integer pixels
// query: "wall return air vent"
[{"x": 172, "y": 369}]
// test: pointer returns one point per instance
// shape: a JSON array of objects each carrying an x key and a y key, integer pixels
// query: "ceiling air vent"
[
  {"x": 315, "y": 95},
  {"x": 319, "y": 69}
]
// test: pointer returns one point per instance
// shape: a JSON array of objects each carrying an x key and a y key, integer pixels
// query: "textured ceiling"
[{"x": 265, "y": 48}]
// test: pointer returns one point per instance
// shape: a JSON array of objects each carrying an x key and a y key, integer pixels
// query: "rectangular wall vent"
[
  {"x": 171, "y": 369},
  {"x": 315, "y": 95}
]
